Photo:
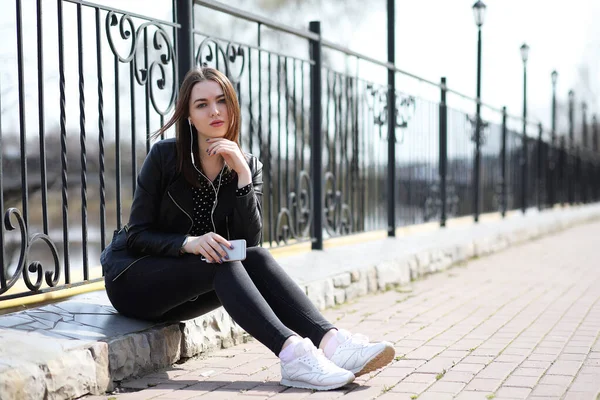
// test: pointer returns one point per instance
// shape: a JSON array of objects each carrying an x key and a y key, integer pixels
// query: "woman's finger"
[
  {"x": 221, "y": 240},
  {"x": 221, "y": 148},
  {"x": 218, "y": 248},
  {"x": 210, "y": 253}
]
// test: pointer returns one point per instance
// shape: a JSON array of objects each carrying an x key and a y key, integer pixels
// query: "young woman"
[{"x": 195, "y": 193}]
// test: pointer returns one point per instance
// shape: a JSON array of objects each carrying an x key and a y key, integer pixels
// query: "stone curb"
[{"x": 97, "y": 367}]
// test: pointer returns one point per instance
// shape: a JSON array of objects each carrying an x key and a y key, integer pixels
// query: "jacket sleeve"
[
  {"x": 143, "y": 234},
  {"x": 249, "y": 208}
]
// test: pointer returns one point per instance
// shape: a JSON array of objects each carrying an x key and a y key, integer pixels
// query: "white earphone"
[{"x": 205, "y": 177}]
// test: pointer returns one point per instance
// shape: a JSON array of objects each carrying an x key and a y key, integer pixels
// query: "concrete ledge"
[{"x": 82, "y": 345}]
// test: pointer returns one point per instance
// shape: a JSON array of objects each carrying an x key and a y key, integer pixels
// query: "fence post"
[
  {"x": 524, "y": 154},
  {"x": 562, "y": 168},
  {"x": 503, "y": 199},
  {"x": 596, "y": 180},
  {"x": 539, "y": 166},
  {"x": 391, "y": 117},
  {"x": 184, "y": 39},
  {"x": 583, "y": 153},
  {"x": 316, "y": 140},
  {"x": 443, "y": 156},
  {"x": 571, "y": 156}
]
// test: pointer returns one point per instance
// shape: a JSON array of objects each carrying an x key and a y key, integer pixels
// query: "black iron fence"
[{"x": 74, "y": 133}]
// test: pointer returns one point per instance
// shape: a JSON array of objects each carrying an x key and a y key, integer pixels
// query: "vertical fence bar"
[
  {"x": 133, "y": 128},
  {"x": 147, "y": 93},
  {"x": 596, "y": 180},
  {"x": 82, "y": 139},
  {"x": 100, "y": 133},
  {"x": 117, "y": 142},
  {"x": 504, "y": 197},
  {"x": 583, "y": 153},
  {"x": 477, "y": 162},
  {"x": 391, "y": 117},
  {"x": 287, "y": 129},
  {"x": 3, "y": 267},
  {"x": 571, "y": 153},
  {"x": 443, "y": 155},
  {"x": 41, "y": 122},
  {"x": 316, "y": 140},
  {"x": 184, "y": 11},
  {"x": 540, "y": 143},
  {"x": 250, "y": 105},
  {"x": 63, "y": 141},
  {"x": 280, "y": 189},
  {"x": 22, "y": 119},
  {"x": 269, "y": 165},
  {"x": 562, "y": 168}
]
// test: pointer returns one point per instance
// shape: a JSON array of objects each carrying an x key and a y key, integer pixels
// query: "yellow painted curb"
[{"x": 51, "y": 296}]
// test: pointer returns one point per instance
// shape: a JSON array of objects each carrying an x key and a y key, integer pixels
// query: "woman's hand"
[
  {"x": 233, "y": 156},
  {"x": 209, "y": 246}
]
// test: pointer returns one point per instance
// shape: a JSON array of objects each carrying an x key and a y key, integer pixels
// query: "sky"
[{"x": 437, "y": 38}]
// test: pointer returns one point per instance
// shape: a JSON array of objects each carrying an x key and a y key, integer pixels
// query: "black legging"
[{"x": 257, "y": 293}]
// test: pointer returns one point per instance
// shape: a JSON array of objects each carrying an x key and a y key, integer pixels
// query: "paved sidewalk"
[{"x": 523, "y": 323}]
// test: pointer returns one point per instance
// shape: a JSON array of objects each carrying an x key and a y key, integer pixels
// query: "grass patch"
[
  {"x": 490, "y": 396},
  {"x": 386, "y": 388},
  {"x": 414, "y": 396},
  {"x": 440, "y": 375},
  {"x": 398, "y": 358}
]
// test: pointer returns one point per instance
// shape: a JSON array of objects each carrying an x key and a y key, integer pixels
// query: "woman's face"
[{"x": 208, "y": 111}]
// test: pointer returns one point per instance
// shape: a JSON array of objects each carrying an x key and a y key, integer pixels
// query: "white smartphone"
[{"x": 238, "y": 253}]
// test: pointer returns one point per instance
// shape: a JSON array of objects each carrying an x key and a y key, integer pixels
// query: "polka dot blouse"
[{"x": 203, "y": 198}]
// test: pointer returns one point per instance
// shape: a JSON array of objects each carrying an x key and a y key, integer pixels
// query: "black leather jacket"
[{"x": 161, "y": 212}]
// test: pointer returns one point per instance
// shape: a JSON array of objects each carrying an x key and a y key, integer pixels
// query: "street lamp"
[
  {"x": 479, "y": 14},
  {"x": 524, "y": 56}
]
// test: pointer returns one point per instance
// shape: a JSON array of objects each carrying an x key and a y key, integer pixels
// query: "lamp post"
[
  {"x": 553, "y": 149},
  {"x": 524, "y": 56},
  {"x": 479, "y": 14}
]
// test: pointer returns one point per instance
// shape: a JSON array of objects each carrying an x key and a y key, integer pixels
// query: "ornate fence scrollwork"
[
  {"x": 482, "y": 132},
  {"x": 338, "y": 217},
  {"x": 377, "y": 102},
  {"x": 146, "y": 65},
  {"x": 232, "y": 56},
  {"x": 51, "y": 277},
  {"x": 295, "y": 221},
  {"x": 432, "y": 207}
]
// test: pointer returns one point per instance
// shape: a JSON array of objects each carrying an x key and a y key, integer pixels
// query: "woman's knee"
[{"x": 258, "y": 253}]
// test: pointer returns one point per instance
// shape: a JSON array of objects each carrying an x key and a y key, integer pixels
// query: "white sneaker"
[
  {"x": 310, "y": 369},
  {"x": 355, "y": 354}
]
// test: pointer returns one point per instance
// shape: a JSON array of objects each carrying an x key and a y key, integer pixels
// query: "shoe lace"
[
  {"x": 359, "y": 338},
  {"x": 318, "y": 358}
]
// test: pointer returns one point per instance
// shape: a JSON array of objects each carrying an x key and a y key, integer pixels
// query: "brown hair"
[{"x": 181, "y": 115}]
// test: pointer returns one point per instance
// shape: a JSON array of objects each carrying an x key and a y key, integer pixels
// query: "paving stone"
[
  {"x": 549, "y": 390},
  {"x": 512, "y": 392}
]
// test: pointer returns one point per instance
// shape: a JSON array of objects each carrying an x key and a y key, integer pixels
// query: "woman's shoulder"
[
  {"x": 253, "y": 162},
  {"x": 165, "y": 149},
  {"x": 166, "y": 145}
]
